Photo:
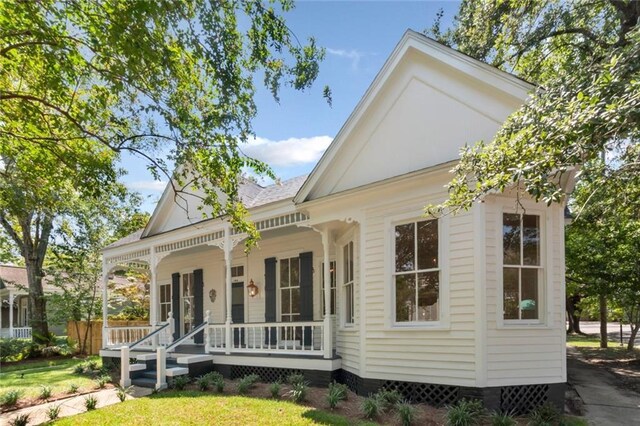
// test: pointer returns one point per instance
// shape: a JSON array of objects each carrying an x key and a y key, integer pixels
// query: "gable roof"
[
  {"x": 252, "y": 195},
  {"x": 15, "y": 278},
  {"x": 413, "y": 41}
]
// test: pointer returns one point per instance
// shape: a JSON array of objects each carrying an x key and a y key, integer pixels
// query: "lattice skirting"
[
  {"x": 435, "y": 395},
  {"x": 353, "y": 382},
  {"x": 520, "y": 400}
]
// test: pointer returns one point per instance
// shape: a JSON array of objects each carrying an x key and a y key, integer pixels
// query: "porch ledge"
[
  {"x": 192, "y": 359},
  {"x": 278, "y": 361}
]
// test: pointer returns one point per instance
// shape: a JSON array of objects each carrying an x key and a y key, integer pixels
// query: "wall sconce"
[{"x": 252, "y": 289}]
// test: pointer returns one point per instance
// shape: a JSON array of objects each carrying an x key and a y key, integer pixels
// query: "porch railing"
[
  {"x": 274, "y": 338},
  {"x": 144, "y": 336},
  {"x": 16, "y": 332}
]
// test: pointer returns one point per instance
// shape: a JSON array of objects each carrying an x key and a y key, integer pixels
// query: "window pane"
[
  {"x": 345, "y": 263},
  {"x": 529, "y": 302},
  {"x": 295, "y": 300},
  {"x": 428, "y": 295},
  {"x": 531, "y": 239},
  {"x": 285, "y": 301},
  {"x": 350, "y": 245},
  {"x": 405, "y": 297},
  {"x": 511, "y": 293},
  {"x": 237, "y": 295},
  {"x": 284, "y": 273},
  {"x": 405, "y": 246},
  {"x": 294, "y": 264},
  {"x": 428, "y": 244},
  {"x": 349, "y": 314},
  {"x": 511, "y": 238}
]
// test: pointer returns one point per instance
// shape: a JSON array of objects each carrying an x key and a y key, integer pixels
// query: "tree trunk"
[
  {"x": 603, "y": 321},
  {"x": 573, "y": 314},
  {"x": 37, "y": 301},
  {"x": 632, "y": 338}
]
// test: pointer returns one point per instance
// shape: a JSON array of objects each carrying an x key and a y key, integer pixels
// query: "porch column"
[
  {"x": 11, "y": 297},
  {"x": 328, "y": 335},
  {"x": 153, "y": 290},
  {"x": 105, "y": 304},
  {"x": 227, "y": 261}
]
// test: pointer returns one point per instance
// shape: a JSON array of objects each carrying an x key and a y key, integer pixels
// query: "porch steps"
[
  {"x": 148, "y": 378},
  {"x": 144, "y": 382}
]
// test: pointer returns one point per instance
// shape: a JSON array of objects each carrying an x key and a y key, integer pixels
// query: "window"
[
  {"x": 416, "y": 274},
  {"x": 290, "y": 289},
  {"x": 237, "y": 273},
  {"x": 347, "y": 282},
  {"x": 187, "y": 302},
  {"x": 165, "y": 301},
  {"x": 521, "y": 266},
  {"x": 332, "y": 275}
]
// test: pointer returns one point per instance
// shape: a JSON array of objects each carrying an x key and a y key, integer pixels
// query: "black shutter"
[
  {"x": 175, "y": 303},
  {"x": 198, "y": 314},
  {"x": 306, "y": 293},
  {"x": 270, "y": 298}
]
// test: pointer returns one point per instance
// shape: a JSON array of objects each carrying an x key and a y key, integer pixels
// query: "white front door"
[{"x": 187, "y": 300}]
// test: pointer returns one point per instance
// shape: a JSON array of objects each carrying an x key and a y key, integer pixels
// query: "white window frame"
[
  {"x": 320, "y": 267},
  {"x": 161, "y": 303},
  {"x": 347, "y": 286},
  {"x": 545, "y": 276},
  {"x": 443, "y": 322},
  {"x": 279, "y": 259}
]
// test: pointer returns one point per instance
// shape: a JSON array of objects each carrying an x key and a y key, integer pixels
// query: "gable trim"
[{"x": 499, "y": 79}]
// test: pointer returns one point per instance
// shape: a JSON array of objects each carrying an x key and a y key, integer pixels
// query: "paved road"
[
  {"x": 605, "y": 404},
  {"x": 613, "y": 330}
]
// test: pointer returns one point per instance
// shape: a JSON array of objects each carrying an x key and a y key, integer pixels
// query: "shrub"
[
  {"x": 388, "y": 398},
  {"x": 92, "y": 365},
  {"x": 465, "y": 413},
  {"x": 274, "y": 389},
  {"x": 299, "y": 391},
  {"x": 102, "y": 381},
  {"x": 10, "y": 398},
  {"x": 90, "y": 402},
  {"x": 53, "y": 412},
  {"x": 180, "y": 382},
  {"x": 333, "y": 397},
  {"x": 218, "y": 383},
  {"x": 213, "y": 376},
  {"x": 340, "y": 388},
  {"x": 48, "y": 351},
  {"x": 546, "y": 414},
  {"x": 405, "y": 412},
  {"x": 20, "y": 420},
  {"x": 122, "y": 393},
  {"x": 295, "y": 378},
  {"x": 45, "y": 392},
  {"x": 203, "y": 383},
  {"x": 502, "y": 419},
  {"x": 371, "y": 407},
  {"x": 78, "y": 368},
  {"x": 16, "y": 349},
  {"x": 247, "y": 383},
  {"x": 73, "y": 388}
]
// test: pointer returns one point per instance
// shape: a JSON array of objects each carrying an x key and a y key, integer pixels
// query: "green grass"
[
  {"x": 56, "y": 373},
  {"x": 589, "y": 347},
  {"x": 197, "y": 408}
]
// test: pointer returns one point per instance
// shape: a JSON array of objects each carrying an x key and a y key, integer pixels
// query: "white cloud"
[
  {"x": 147, "y": 185},
  {"x": 353, "y": 55},
  {"x": 288, "y": 152}
]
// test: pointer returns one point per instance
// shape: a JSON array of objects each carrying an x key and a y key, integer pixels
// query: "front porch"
[{"x": 14, "y": 314}]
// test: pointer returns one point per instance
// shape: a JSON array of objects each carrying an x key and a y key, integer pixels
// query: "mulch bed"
[{"x": 349, "y": 408}]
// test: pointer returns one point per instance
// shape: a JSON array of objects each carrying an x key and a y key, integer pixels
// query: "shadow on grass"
[{"x": 323, "y": 418}]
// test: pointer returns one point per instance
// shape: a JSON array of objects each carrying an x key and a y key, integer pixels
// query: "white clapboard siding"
[{"x": 525, "y": 354}]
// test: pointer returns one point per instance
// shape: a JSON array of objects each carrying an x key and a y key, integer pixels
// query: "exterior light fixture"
[{"x": 252, "y": 289}]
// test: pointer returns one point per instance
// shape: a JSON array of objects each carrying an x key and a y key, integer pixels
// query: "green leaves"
[{"x": 587, "y": 65}]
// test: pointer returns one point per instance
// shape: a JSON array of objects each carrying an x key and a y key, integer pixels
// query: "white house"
[{"x": 350, "y": 280}]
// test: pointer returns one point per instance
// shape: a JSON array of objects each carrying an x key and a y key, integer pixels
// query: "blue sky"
[{"x": 292, "y": 135}]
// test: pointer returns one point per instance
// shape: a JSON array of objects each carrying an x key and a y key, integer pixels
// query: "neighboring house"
[
  {"x": 350, "y": 280},
  {"x": 14, "y": 302}
]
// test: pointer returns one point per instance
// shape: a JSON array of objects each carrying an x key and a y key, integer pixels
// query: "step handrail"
[
  {"x": 193, "y": 332},
  {"x": 156, "y": 331}
]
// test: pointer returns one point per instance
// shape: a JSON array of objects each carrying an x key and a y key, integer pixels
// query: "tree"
[
  {"x": 75, "y": 261},
  {"x": 604, "y": 241},
  {"x": 585, "y": 57},
  {"x": 83, "y": 81}
]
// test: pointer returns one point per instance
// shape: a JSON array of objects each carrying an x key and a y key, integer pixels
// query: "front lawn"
[
  {"x": 198, "y": 408},
  {"x": 589, "y": 347},
  {"x": 29, "y": 376}
]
